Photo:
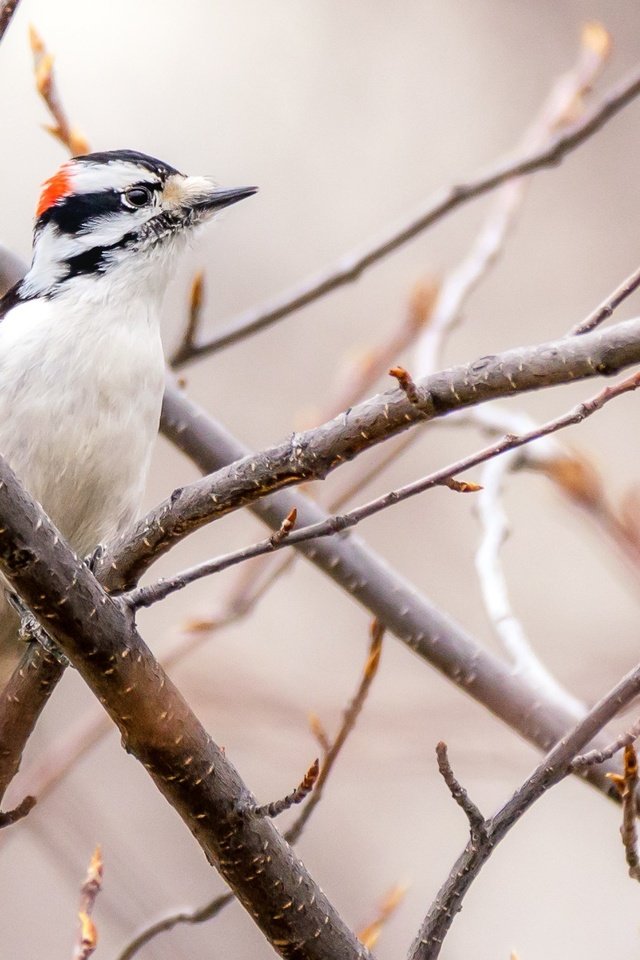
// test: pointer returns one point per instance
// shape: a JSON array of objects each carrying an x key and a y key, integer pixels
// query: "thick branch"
[
  {"x": 315, "y": 453},
  {"x": 351, "y": 266},
  {"x": 160, "y": 730}
]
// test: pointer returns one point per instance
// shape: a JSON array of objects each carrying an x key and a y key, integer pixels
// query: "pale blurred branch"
[
  {"x": 600, "y": 756},
  {"x": 351, "y": 266},
  {"x": 563, "y": 106},
  {"x": 493, "y": 582}
]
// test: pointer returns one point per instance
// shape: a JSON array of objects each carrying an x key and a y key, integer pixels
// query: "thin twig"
[
  {"x": 349, "y": 719},
  {"x": 351, "y": 266},
  {"x": 147, "y": 595},
  {"x": 564, "y": 101},
  {"x": 194, "y": 319},
  {"x": 87, "y": 934},
  {"x": 477, "y": 822},
  {"x": 552, "y": 769},
  {"x": 601, "y": 756},
  {"x": 493, "y": 584},
  {"x": 627, "y": 785},
  {"x": 608, "y": 305},
  {"x": 74, "y": 141}
]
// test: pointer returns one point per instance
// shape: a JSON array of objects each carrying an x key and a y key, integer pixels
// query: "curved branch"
[
  {"x": 488, "y": 833},
  {"x": 351, "y": 266},
  {"x": 313, "y": 454}
]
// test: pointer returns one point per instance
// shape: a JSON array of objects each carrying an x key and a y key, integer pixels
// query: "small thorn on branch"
[
  {"x": 303, "y": 789},
  {"x": 406, "y": 383},
  {"x": 286, "y": 527},
  {"x": 477, "y": 822},
  {"x": 461, "y": 486},
  {"x": 12, "y": 816}
]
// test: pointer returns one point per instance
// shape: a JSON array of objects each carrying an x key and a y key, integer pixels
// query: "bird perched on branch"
[{"x": 81, "y": 362}]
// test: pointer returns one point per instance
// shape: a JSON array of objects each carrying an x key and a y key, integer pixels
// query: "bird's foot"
[
  {"x": 30, "y": 631},
  {"x": 94, "y": 558}
]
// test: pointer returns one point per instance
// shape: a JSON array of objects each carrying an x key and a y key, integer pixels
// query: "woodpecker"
[{"x": 81, "y": 361}]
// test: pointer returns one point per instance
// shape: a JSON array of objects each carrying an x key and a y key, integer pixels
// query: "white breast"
[{"x": 80, "y": 394}]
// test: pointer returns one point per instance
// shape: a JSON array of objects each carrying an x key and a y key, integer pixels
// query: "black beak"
[{"x": 224, "y": 198}]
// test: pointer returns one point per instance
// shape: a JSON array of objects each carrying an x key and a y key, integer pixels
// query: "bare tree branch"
[
  {"x": 7, "y": 10},
  {"x": 351, "y": 266},
  {"x": 555, "y": 766},
  {"x": 148, "y": 595},
  {"x": 331, "y": 752},
  {"x": 608, "y": 305},
  {"x": 314, "y": 453},
  {"x": 160, "y": 730},
  {"x": 21, "y": 703}
]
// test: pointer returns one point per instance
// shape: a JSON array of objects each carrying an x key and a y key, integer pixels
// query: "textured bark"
[
  {"x": 158, "y": 727},
  {"x": 313, "y": 454}
]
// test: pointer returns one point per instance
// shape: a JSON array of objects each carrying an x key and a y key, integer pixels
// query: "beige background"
[{"x": 348, "y": 115}]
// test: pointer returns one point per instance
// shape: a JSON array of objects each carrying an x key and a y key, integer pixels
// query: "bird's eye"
[{"x": 137, "y": 197}]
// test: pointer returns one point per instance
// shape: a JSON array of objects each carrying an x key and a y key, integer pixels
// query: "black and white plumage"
[{"x": 81, "y": 362}]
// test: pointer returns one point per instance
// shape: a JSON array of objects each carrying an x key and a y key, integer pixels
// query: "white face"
[{"x": 104, "y": 211}]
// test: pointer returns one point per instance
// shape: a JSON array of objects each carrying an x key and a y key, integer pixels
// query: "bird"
[{"x": 81, "y": 360}]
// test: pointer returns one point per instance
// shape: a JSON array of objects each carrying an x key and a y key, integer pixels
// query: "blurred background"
[{"x": 348, "y": 116}]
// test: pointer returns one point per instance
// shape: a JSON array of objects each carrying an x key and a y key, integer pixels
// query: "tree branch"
[
  {"x": 160, "y": 730},
  {"x": 147, "y": 595},
  {"x": 351, "y": 266},
  {"x": 313, "y": 454},
  {"x": 7, "y": 10},
  {"x": 555, "y": 766}
]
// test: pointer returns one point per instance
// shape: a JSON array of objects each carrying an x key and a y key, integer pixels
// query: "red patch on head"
[{"x": 54, "y": 189}]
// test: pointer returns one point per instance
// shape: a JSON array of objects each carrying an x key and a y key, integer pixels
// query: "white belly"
[{"x": 79, "y": 410}]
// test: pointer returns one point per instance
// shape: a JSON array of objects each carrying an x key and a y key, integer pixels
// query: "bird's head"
[{"x": 117, "y": 214}]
